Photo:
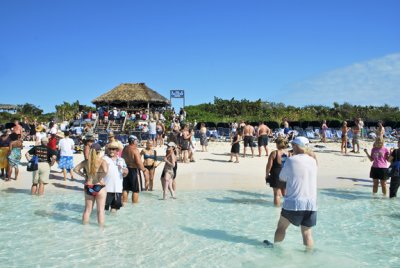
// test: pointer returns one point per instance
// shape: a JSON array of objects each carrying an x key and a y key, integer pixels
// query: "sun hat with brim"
[
  {"x": 60, "y": 134},
  {"x": 300, "y": 141},
  {"x": 113, "y": 145},
  {"x": 39, "y": 129},
  {"x": 171, "y": 144}
]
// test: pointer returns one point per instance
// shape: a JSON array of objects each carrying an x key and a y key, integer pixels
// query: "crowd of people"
[{"x": 117, "y": 171}]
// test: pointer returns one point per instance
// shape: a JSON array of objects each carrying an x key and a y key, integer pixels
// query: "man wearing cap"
[
  {"x": 300, "y": 205},
  {"x": 46, "y": 158},
  {"x": 114, "y": 178},
  {"x": 132, "y": 181}
]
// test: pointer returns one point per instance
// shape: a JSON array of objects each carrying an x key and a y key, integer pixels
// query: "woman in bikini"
[
  {"x": 150, "y": 163},
  {"x": 93, "y": 170},
  {"x": 343, "y": 146}
]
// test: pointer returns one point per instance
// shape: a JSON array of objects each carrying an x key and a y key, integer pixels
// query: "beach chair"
[
  {"x": 123, "y": 138},
  {"x": 329, "y": 134},
  {"x": 338, "y": 135},
  {"x": 102, "y": 139}
]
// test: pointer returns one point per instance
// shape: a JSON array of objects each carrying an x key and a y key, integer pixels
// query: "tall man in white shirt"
[{"x": 300, "y": 205}]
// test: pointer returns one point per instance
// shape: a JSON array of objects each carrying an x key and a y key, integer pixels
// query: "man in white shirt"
[
  {"x": 117, "y": 169},
  {"x": 300, "y": 205},
  {"x": 66, "y": 162}
]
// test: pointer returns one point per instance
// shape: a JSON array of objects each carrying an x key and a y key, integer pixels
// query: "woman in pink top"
[{"x": 379, "y": 157}]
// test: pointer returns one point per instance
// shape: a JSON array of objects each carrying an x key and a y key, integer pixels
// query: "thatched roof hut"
[{"x": 131, "y": 96}]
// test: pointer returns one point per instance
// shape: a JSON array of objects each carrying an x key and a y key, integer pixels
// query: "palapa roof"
[{"x": 131, "y": 93}]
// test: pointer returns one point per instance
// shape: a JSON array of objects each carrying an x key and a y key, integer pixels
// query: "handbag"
[{"x": 33, "y": 164}]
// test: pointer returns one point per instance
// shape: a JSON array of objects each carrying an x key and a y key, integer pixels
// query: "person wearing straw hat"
[
  {"x": 113, "y": 180},
  {"x": 132, "y": 181},
  {"x": 300, "y": 204},
  {"x": 40, "y": 133}
]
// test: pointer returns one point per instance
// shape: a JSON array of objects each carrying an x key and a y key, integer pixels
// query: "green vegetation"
[
  {"x": 65, "y": 111},
  {"x": 253, "y": 111}
]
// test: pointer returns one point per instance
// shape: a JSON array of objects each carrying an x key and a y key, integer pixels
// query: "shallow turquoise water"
[{"x": 199, "y": 229}]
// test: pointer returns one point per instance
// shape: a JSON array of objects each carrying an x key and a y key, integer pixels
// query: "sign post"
[{"x": 177, "y": 94}]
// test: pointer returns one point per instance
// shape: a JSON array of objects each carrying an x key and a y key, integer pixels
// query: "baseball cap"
[
  {"x": 96, "y": 146},
  {"x": 132, "y": 138},
  {"x": 300, "y": 141}
]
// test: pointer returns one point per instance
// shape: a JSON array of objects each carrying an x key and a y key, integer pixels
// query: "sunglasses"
[{"x": 113, "y": 149}]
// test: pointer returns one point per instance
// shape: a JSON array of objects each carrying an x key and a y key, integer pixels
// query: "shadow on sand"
[
  {"x": 346, "y": 194},
  {"x": 215, "y": 160},
  {"x": 225, "y": 154},
  {"x": 17, "y": 191},
  {"x": 222, "y": 235},
  {"x": 56, "y": 216}
]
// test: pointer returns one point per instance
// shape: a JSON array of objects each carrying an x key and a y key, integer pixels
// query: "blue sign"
[{"x": 177, "y": 93}]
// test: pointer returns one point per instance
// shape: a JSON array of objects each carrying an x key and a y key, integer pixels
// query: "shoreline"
[{"x": 212, "y": 171}]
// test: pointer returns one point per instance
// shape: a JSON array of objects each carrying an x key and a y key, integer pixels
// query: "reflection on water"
[{"x": 201, "y": 229}]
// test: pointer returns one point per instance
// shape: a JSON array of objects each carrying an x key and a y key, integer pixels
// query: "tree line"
[{"x": 227, "y": 111}]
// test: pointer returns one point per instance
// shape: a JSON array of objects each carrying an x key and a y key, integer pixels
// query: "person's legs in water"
[
  {"x": 277, "y": 197},
  {"x": 375, "y": 186},
  {"x": 125, "y": 195},
  {"x": 101, "y": 201},
  {"x": 394, "y": 186},
  {"x": 151, "y": 178},
  {"x": 170, "y": 187},
  {"x": 280, "y": 232},
  {"x": 41, "y": 188},
  {"x": 89, "y": 200},
  {"x": 164, "y": 187},
  {"x": 34, "y": 189},
  {"x": 135, "y": 197},
  {"x": 383, "y": 186},
  {"x": 307, "y": 237}
]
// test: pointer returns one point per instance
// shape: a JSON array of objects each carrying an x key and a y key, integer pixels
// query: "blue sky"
[{"x": 55, "y": 51}]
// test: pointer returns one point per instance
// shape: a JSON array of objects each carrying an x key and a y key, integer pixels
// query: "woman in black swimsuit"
[
  {"x": 150, "y": 163},
  {"x": 275, "y": 163}
]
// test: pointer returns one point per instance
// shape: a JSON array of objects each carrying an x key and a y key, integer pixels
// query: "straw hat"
[
  {"x": 115, "y": 144},
  {"x": 60, "y": 134},
  {"x": 39, "y": 128}
]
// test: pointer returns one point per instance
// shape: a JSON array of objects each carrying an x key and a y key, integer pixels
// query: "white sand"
[{"x": 213, "y": 171}]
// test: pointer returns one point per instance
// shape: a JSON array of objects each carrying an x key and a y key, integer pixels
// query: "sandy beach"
[{"x": 213, "y": 171}]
